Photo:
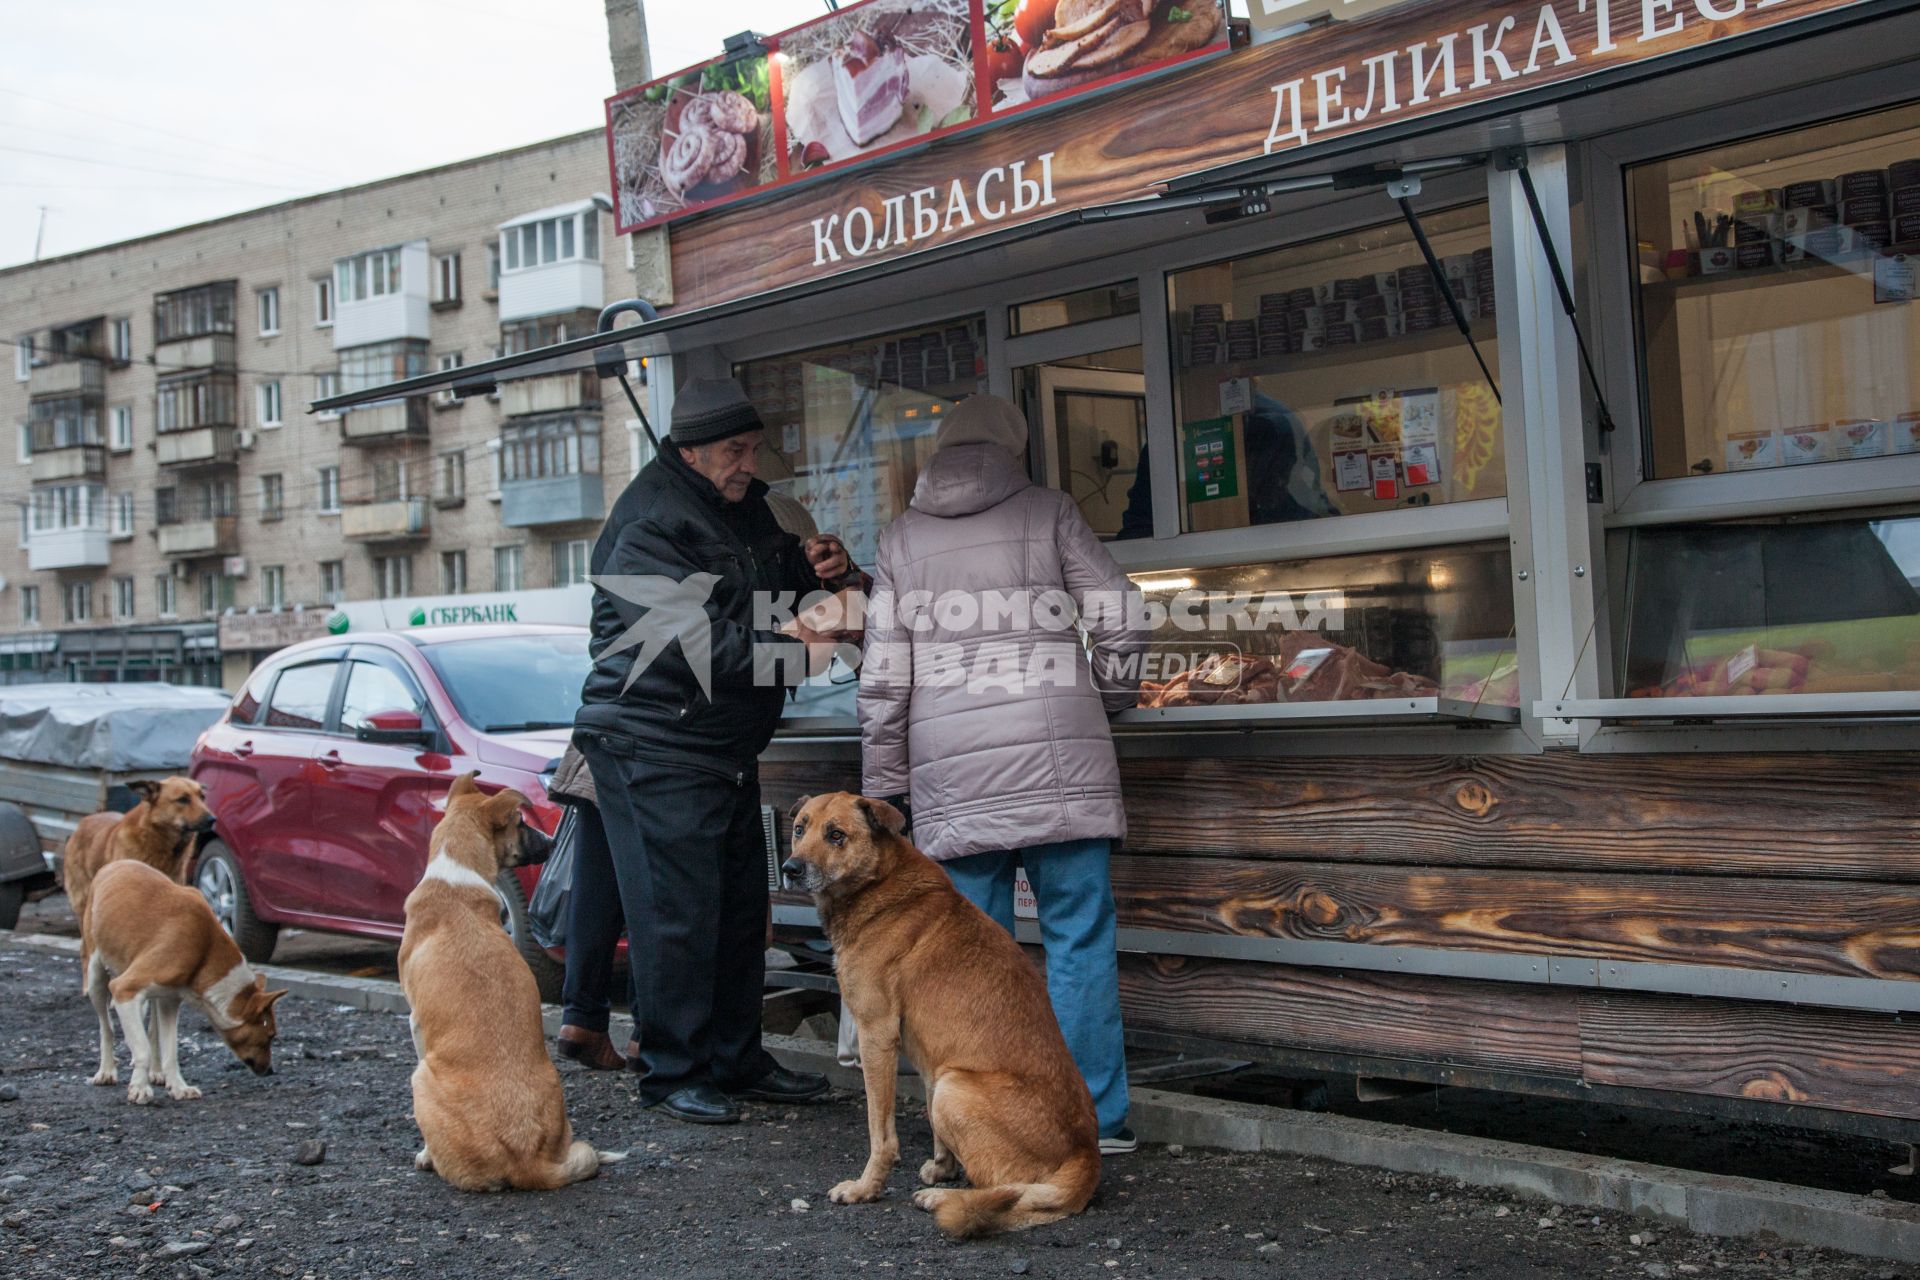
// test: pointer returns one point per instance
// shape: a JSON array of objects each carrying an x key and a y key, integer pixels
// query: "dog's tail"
[
  {"x": 580, "y": 1163},
  {"x": 1015, "y": 1206}
]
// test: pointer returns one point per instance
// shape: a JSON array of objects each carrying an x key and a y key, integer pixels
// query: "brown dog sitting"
[
  {"x": 160, "y": 831},
  {"x": 485, "y": 1093},
  {"x": 922, "y": 968}
]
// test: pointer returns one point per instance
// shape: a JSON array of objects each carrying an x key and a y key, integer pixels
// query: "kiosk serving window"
[
  {"x": 1375, "y": 627},
  {"x": 1328, "y": 378},
  {"x": 1775, "y": 309}
]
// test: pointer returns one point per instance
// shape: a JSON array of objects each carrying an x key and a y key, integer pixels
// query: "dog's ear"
[
  {"x": 463, "y": 786},
  {"x": 503, "y": 808},
  {"x": 145, "y": 788},
  {"x": 793, "y": 814},
  {"x": 881, "y": 816}
]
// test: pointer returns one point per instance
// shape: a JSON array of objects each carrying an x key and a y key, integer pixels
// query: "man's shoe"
[
  {"x": 699, "y": 1104},
  {"x": 1122, "y": 1143},
  {"x": 782, "y": 1085},
  {"x": 635, "y": 1063},
  {"x": 591, "y": 1049}
]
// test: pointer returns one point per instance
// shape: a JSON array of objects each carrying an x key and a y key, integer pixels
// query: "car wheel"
[
  {"x": 549, "y": 975},
  {"x": 13, "y": 895},
  {"x": 218, "y": 879}
]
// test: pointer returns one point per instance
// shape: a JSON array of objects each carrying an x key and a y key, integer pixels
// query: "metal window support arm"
[
  {"x": 1401, "y": 191},
  {"x": 1515, "y": 161},
  {"x": 611, "y": 362}
]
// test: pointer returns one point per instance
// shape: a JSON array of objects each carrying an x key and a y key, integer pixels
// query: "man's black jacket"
[{"x": 672, "y": 523}]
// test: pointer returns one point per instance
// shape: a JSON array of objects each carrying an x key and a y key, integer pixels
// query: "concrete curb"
[{"x": 1707, "y": 1204}]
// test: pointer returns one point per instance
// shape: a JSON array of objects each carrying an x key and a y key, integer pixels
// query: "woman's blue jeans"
[{"x": 1075, "y": 898}]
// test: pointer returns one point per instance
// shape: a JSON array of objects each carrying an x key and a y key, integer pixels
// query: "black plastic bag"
[{"x": 553, "y": 892}]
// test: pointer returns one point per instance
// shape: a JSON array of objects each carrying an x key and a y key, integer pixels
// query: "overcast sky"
[{"x": 126, "y": 118}]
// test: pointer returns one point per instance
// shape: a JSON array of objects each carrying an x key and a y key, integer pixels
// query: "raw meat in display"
[
  {"x": 1320, "y": 671},
  {"x": 870, "y": 86}
]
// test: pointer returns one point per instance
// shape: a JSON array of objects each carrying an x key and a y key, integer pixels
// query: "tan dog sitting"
[
  {"x": 485, "y": 1095},
  {"x": 151, "y": 943},
  {"x": 922, "y": 968},
  {"x": 160, "y": 831}
]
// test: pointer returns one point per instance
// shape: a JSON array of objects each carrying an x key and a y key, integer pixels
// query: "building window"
[
  {"x": 30, "y": 606},
  {"x": 329, "y": 491},
  {"x": 208, "y": 500},
  {"x": 379, "y": 363},
  {"x": 448, "y": 362},
  {"x": 333, "y": 581},
  {"x": 76, "y": 602},
  {"x": 25, "y": 452},
  {"x": 123, "y": 598},
  {"x": 571, "y": 237},
  {"x": 546, "y": 449},
  {"x": 123, "y": 514},
  {"x": 530, "y": 335},
  {"x": 216, "y": 593},
  {"x": 393, "y": 576},
  {"x": 450, "y": 478},
  {"x": 453, "y": 573},
  {"x": 446, "y": 279},
  {"x": 507, "y": 568},
  {"x": 323, "y": 303},
  {"x": 639, "y": 446},
  {"x": 390, "y": 480},
  {"x": 122, "y": 340},
  {"x": 267, "y": 303},
  {"x": 122, "y": 437},
  {"x": 195, "y": 400},
  {"x": 61, "y": 507},
  {"x": 165, "y": 601},
  {"x": 191, "y": 313},
  {"x": 23, "y": 357},
  {"x": 324, "y": 385},
  {"x": 369, "y": 275},
  {"x": 269, "y": 403},
  {"x": 493, "y": 268},
  {"x": 272, "y": 497},
  {"x": 63, "y": 423},
  {"x": 570, "y": 562},
  {"x": 273, "y": 585}
]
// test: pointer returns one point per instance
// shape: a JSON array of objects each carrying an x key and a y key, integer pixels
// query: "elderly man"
[{"x": 686, "y": 689}]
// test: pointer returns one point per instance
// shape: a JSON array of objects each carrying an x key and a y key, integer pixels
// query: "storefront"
[
  {"x": 185, "y": 654},
  {"x": 1569, "y": 666}
]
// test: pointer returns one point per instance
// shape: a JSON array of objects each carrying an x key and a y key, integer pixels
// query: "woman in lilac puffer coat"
[{"x": 982, "y": 705}]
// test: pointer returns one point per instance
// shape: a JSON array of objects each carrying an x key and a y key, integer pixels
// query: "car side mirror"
[{"x": 399, "y": 726}]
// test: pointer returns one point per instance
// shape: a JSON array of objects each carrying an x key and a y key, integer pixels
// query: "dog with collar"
[
  {"x": 151, "y": 945},
  {"x": 161, "y": 831},
  {"x": 923, "y": 970},
  {"x": 485, "y": 1094}
]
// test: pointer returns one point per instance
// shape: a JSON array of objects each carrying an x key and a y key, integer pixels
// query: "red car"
[{"x": 330, "y": 769}]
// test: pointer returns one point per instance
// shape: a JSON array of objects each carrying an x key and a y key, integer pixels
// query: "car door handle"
[
  {"x": 244, "y": 749},
  {"x": 329, "y": 760}
]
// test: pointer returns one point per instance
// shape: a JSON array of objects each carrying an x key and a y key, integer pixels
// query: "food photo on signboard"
[
  {"x": 693, "y": 139},
  {"x": 1038, "y": 49},
  {"x": 874, "y": 76}
]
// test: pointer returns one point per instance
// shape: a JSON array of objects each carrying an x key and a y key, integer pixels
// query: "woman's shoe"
[
  {"x": 1119, "y": 1144},
  {"x": 591, "y": 1049}
]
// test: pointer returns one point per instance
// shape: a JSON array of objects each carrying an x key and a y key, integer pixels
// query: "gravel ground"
[{"x": 92, "y": 1186}]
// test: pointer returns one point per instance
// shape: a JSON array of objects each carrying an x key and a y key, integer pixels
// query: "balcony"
[
  {"x": 198, "y": 447},
  {"x": 217, "y": 536},
  {"x": 551, "y": 394},
  {"x": 67, "y": 549},
  {"x": 389, "y": 315},
  {"x": 202, "y": 351},
  {"x": 558, "y": 286},
  {"x": 397, "y": 520},
  {"x": 70, "y": 377},
  {"x": 74, "y": 462},
  {"x": 553, "y": 500},
  {"x": 388, "y": 420}
]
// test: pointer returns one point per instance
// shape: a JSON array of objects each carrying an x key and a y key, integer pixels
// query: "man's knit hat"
[{"x": 709, "y": 409}]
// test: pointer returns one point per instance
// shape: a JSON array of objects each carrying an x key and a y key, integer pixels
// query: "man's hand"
[
  {"x": 820, "y": 648},
  {"x": 828, "y": 556}
]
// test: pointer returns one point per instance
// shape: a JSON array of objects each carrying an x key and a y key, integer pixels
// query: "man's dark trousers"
[{"x": 690, "y": 855}]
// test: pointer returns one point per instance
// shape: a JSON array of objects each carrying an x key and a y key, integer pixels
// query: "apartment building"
[{"x": 177, "y": 503}]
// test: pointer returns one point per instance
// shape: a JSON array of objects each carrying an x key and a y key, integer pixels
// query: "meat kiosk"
[{"x": 1555, "y": 367}]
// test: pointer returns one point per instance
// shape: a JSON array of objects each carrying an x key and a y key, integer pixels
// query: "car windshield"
[{"x": 506, "y": 684}]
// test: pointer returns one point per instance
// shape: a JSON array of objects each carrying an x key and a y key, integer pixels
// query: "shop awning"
[{"x": 29, "y": 644}]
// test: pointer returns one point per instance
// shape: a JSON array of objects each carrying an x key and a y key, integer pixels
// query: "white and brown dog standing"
[
  {"x": 485, "y": 1094},
  {"x": 151, "y": 942}
]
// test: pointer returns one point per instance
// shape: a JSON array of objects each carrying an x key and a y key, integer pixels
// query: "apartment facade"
[{"x": 178, "y": 509}]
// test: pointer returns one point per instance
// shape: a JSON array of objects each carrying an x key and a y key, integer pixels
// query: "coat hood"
[{"x": 964, "y": 480}]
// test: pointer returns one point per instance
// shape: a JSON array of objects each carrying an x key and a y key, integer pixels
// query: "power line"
[
  {"x": 118, "y": 144},
  {"x": 141, "y": 168}
]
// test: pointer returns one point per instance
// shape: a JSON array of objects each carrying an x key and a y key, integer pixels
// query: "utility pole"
[
  {"x": 41, "y": 234},
  {"x": 628, "y": 47}
]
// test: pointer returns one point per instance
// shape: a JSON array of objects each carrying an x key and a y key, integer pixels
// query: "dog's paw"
[
  {"x": 140, "y": 1093},
  {"x": 422, "y": 1161},
  {"x": 109, "y": 1076},
  {"x": 928, "y": 1199},
  {"x": 182, "y": 1092},
  {"x": 855, "y": 1191}
]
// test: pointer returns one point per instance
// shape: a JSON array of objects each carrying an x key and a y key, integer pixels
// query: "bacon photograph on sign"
[{"x": 1038, "y": 50}]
